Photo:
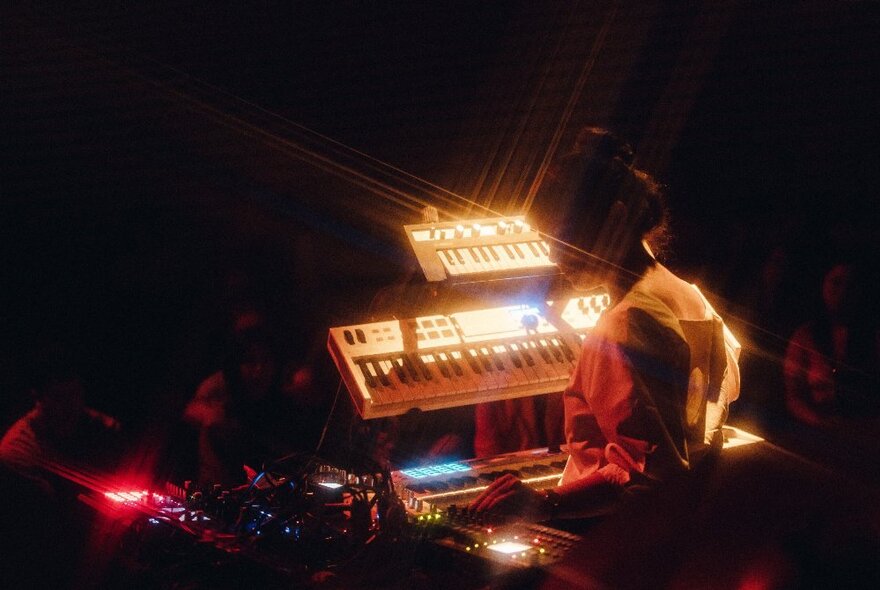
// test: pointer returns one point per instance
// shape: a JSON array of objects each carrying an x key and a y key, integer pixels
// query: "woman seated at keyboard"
[{"x": 650, "y": 392}]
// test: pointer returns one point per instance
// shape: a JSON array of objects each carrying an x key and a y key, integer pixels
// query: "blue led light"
[
  {"x": 523, "y": 310},
  {"x": 420, "y": 472}
]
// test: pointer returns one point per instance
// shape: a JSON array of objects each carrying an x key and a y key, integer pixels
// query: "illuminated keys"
[
  {"x": 494, "y": 258},
  {"x": 468, "y": 357}
]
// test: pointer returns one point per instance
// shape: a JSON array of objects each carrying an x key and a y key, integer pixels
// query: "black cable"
[{"x": 329, "y": 417}]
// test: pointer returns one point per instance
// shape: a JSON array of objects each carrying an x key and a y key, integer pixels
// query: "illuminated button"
[
  {"x": 420, "y": 472},
  {"x": 509, "y": 547}
]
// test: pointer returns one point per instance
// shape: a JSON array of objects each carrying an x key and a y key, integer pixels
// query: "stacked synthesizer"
[
  {"x": 478, "y": 355},
  {"x": 479, "y": 249},
  {"x": 442, "y": 361}
]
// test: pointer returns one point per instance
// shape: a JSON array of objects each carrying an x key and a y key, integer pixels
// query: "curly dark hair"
[{"x": 596, "y": 201}]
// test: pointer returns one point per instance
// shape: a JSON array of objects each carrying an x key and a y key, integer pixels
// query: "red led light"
[{"x": 131, "y": 496}]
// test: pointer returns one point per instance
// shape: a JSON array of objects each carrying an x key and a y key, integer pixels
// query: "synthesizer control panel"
[
  {"x": 436, "y": 498},
  {"x": 505, "y": 546}
]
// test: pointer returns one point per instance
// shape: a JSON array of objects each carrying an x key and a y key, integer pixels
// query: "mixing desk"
[
  {"x": 436, "y": 499},
  {"x": 513, "y": 545},
  {"x": 439, "y": 361}
]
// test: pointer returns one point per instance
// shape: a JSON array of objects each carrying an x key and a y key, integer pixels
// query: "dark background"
[{"x": 148, "y": 148}]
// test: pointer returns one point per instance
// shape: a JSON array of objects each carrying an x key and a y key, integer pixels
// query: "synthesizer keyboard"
[
  {"x": 443, "y": 361},
  {"x": 452, "y": 486},
  {"x": 479, "y": 249}
]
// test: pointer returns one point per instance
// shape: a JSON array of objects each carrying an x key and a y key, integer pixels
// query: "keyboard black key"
[
  {"x": 530, "y": 361},
  {"x": 554, "y": 349},
  {"x": 499, "y": 364},
  {"x": 444, "y": 368},
  {"x": 484, "y": 359},
  {"x": 456, "y": 368},
  {"x": 544, "y": 354},
  {"x": 410, "y": 368},
  {"x": 514, "y": 357},
  {"x": 472, "y": 361},
  {"x": 487, "y": 253},
  {"x": 383, "y": 378},
  {"x": 397, "y": 365},
  {"x": 422, "y": 367},
  {"x": 368, "y": 377},
  {"x": 566, "y": 350}
]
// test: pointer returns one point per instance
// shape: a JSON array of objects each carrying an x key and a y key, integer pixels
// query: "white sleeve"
[{"x": 730, "y": 385}]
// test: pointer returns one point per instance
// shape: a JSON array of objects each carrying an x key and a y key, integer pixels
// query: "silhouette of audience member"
[
  {"x": 256, "y": 408},
  {"x": 41, "y": 456},
  {"x": 767, "y": 307},
  {"x": 831, "y": 363},
  {"x": 60, "y": 428}
]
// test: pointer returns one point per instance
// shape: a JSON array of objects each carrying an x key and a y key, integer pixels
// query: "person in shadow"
[{"x": 652, "y": 385}]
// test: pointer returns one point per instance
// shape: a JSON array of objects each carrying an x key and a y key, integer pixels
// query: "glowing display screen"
[
  {"x": 509, "y": 547},
  {"x": 420, "y": 472},
  {"x": 330, "y": 484}
]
